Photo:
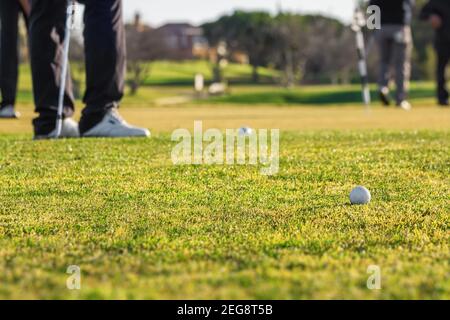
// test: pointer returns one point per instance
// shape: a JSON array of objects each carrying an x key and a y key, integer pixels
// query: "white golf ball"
[
  {"x": 360, "y": 195},
  {"x": 245, "y": 131}
]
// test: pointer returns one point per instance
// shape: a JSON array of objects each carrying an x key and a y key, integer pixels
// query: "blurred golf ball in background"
[{"x": 245, "y": 131}]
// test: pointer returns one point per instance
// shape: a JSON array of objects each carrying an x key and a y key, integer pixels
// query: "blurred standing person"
[
  {"x": 395, "y": 46},
  {"x": 437, "y": 12},
  {"x": 10, "y": 11}
]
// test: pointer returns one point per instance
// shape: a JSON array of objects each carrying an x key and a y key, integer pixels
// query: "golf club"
[
  {"x": 70, "y": 21},
  {"x": 357, "y": 26}
]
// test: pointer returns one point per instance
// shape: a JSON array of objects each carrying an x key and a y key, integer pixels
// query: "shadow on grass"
[{"x": 295, "y": 97}]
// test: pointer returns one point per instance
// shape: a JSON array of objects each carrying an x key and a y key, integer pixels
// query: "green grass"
[
  {"x": 168, "y": 81},
  {"x": 183, "y": 73},
  {"x": 165, "y": 80},
  {"x": 312, "y": 95},
  {"x": 140, "y": 227}
]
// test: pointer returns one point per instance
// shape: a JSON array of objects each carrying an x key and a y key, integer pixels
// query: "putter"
[
  {"x": 357, "y": 26},
  {"x": 70, "y": 22}
]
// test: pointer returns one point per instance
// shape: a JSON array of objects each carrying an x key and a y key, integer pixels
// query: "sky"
[{"x": 157, "y": 12}]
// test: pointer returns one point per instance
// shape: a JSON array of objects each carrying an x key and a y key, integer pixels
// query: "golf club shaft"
[
  {"x": 362, "y": 66},
  {"x": 65, "y": 67},
  {"x": 357, "y": 26}
]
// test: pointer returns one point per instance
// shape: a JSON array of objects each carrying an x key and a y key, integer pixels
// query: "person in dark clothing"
[
  {"x": 395, "y": 45},
  {"x": 437, "y": 12},
  {"x": 104, "y": 38},
  {"x": 10, "y": 10}
]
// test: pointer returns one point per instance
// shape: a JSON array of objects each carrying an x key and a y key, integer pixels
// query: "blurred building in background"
[
  {"x": 181, "y": 41},
  {"x": 184, "y": 41}
]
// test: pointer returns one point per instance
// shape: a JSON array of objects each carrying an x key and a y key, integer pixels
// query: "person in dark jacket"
[
  {"x": 395, "y": 45},
  {"x": 10, "y": 11},
  {"x": 437, "y": 12}
]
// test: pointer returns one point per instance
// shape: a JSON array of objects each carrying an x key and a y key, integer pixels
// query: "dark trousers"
[
  {"x": 443, "y": 57},
  {"x": 395, "y": 43},
  {"x": 9, "y": 50},
  {"x": 104, "y": 38}
]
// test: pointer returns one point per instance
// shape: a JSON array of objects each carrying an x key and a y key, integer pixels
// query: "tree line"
[
  {"x": 309, "y": 48},
  {"x": 304, "y": 47}
]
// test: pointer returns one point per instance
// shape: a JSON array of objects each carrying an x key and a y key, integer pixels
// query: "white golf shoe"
[
  {"x": 8, "y": 112},
  {"x": 69, "y": 130},
  {"x": 114, "y": 126}
]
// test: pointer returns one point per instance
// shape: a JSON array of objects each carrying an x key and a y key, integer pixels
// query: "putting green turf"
[{"x": 139, "y": 227}]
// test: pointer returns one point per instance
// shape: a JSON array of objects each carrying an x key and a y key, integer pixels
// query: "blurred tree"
[
  {"x": 144, "y": 45},
  {"x": 290, "y": 55},
  {"x": 331, "y": 51},
  {"x": 423, "y": 39},
  {"x": 308, "y": 48},
  {"x": 250, "y": 32},
  {"x": 313, "y": 49}
]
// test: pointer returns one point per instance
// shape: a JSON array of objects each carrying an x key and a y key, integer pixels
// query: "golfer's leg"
[
  {"x": 402, "y": 71},
  {"x": 9, "y": 54},
  {"x": 47, "y": 30},
  {"x": 443, "y": 56},
  {"x": 402, "y": 61},
  {"x": 385, "y": 47},
  {"x": 105, "y": 59}
]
